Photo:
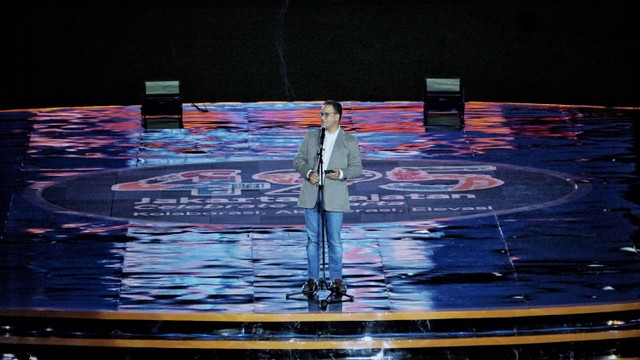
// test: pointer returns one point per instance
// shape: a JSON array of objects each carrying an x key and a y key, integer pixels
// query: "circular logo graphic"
[{"x": 265, "y": 193}]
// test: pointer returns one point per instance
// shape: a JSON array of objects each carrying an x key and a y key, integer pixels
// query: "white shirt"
[{"x": 329, "y": 142}]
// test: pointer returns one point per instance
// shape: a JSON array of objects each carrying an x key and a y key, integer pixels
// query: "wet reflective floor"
[{"x": 518, "y": 206}]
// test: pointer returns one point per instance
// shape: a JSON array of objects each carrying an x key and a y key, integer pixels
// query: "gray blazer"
[{"x": 345, "y": 156}]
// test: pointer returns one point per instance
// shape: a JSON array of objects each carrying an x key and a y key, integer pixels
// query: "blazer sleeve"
[
  {"x": 354, "y": 164},
  {"x": 303, "y": 162}
]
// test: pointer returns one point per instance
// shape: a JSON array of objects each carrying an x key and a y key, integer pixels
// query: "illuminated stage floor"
[{"x": 524, "y": 210}]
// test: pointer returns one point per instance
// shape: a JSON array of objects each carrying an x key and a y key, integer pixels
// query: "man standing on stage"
[{"x": 326, "y": 159}]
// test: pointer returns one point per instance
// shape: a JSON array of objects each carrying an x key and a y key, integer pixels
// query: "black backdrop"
[{"x": 71, "y": 53}]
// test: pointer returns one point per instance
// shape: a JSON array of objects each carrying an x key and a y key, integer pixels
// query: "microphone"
[{"x": 322, "y": 130}]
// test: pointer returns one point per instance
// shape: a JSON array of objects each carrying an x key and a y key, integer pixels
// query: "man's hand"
[
  {"x": 333, "y": 174},
  {"x": 313, "y": 177}
]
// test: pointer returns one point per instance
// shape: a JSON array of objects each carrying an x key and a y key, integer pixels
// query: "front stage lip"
[
  {"x": 503, "y": 312},
  {"x": 437, "y": 329}
]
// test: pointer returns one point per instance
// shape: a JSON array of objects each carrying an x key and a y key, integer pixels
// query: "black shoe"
[
  {"x": 338, "y": 287},
  {"x": 310, "y": 287}
]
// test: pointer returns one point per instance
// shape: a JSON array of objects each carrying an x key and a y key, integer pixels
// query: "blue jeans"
[{"x": 333, "y": 227}]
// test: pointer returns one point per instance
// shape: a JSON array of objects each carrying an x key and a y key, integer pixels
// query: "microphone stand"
[
  {"x": 333, "y": 296},
  {"x": 320, "y": 204}
]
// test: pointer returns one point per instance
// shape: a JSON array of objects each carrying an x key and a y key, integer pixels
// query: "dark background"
[{"x": 72, "y": 53}]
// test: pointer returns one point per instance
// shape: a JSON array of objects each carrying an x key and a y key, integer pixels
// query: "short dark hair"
[{"x": 336, "y": 106}]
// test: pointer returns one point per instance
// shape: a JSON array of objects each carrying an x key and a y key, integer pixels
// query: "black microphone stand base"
[
  {"x": 333, "y": 296},
  {"x": 308, "y": 296}
]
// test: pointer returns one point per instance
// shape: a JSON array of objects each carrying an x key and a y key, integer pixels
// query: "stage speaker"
[
  {"x": 444, "y": 96},
  {"x": 162, "y": 104}
]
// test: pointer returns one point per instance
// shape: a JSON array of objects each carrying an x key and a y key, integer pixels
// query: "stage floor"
[{"x": 521, "y": 206}]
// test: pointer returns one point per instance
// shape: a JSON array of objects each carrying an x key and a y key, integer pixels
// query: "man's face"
[{"x": 330, "y": 118}]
